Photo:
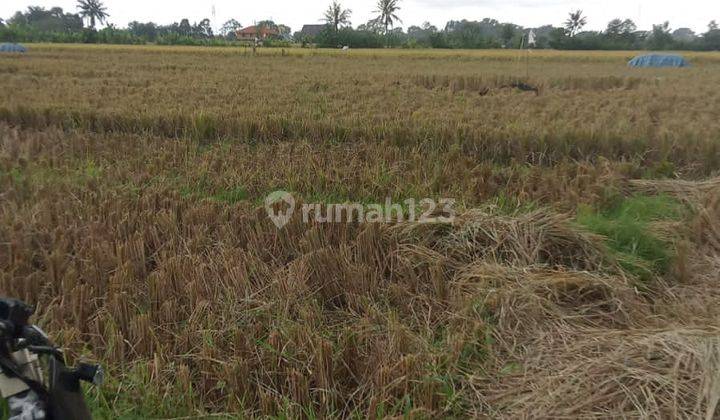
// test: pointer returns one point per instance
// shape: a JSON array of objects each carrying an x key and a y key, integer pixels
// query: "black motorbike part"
[{"x": 66, "y": 399}]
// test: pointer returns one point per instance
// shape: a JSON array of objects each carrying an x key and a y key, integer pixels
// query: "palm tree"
[
  {"x": 387, "y": 10},
  {"x": 336, "y": 16},
  {"x": 575, "y": 22},
  {"x": 93, "y": 10}
]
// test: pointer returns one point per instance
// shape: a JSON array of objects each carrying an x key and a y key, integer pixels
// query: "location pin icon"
[{"x": 280, "y": 217}]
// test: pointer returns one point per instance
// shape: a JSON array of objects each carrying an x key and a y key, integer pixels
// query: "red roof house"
[{"x": 252, "y": 32}]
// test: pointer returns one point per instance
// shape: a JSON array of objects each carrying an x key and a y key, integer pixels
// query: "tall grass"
[{"x": 606, "y": 110}]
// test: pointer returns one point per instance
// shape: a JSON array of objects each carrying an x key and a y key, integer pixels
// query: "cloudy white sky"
[{"x": 694, "y": 14}]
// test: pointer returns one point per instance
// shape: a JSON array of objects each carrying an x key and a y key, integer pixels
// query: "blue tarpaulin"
[
  {"x": 658, "y": 60},
  {"x": 12, "y": 48}
]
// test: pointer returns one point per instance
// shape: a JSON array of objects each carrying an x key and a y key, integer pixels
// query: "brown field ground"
[{"x": 580, "y": 279}]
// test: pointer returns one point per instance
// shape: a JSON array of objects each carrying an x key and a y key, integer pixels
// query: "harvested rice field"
[{"x": 578, "y": 277}]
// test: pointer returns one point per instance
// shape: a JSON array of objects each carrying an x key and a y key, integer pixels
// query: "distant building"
[
  {"x": 252, "y": 32},
  {"x": 311, "y": 31},
  {"x": 684, "y": 35}
]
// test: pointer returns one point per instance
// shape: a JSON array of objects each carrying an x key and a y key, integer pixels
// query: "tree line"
[
  {"x": 37, "y": 24},
  {"x": 620, "y": 34}
]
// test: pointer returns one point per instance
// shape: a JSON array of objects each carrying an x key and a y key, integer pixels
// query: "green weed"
[
  {"x": 629, "y": 235},
  {"x": 231, "y": 196}
]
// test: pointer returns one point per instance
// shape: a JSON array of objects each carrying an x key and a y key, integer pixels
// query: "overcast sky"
[{"x": 695, "y": 14}]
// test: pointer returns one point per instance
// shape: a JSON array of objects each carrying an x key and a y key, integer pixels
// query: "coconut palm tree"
[
  {"x": 575, "y": 22},
  {"x": 336, "y": 16},
  {"x": 93, "y": 10},
  {"x": 387, "y": 13}
]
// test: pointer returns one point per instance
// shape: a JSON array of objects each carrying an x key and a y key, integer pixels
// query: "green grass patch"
[
  {"x": 202, "y": 189},
  {"x": 626, "y": 225},
  {"x": 126, "y": 397},
  {"x": 510, "y": 206},
  {"x": 231, "y": 196}
]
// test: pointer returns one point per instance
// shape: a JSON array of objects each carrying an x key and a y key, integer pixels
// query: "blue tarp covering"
[
  {"x": 658, "y": 60},
  {"x": 12, "y": 48}
]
